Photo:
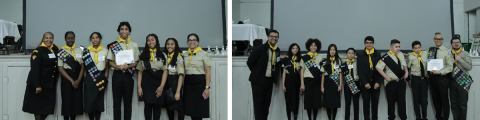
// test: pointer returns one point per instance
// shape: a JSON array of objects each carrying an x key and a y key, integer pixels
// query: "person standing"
[
  {"x": 369, "y": 78},
  {"x": 264, "y": 71},
  {"x": 461, "y": 82}
]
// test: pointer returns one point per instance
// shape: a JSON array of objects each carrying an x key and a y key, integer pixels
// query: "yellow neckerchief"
[
  {"x": 152, "y": 57},
  {"x": 125, "y": 41},
  {"x": 350, "y": 63},
  {"x": 419, "y": 57},
  {"x": 191, "y": 53},
  {"x": 294, "y": 58},
  {"x": 395, "y": 55},
  {"x": 313, "y": 56},
  {"x": 71, "y": 49},
  {"x": 92, "y": 49},
  {"x": 273, "y": 52},
  {"x": 332, "y": 59},
  {"x": 457, "y": 52},
  {"x": 170, "y": 57},
  {"x": 370, "y": 57},
  {"x": 51, "y": 46}
]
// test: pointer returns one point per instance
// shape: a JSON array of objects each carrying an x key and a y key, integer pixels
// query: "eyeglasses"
[
  {"x": 456, "y": 43},
  {"x": 438, "y": 38},
  {"x": 274, "y": 37}
]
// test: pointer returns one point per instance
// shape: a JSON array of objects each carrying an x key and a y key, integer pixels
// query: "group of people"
[
  {"x": 320, "y": 81},
  {"x": 169, "y": 78}
]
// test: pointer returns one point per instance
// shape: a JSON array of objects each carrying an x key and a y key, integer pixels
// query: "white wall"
[
  {"x": 235, "y": 11},
  {"x": 12, "y": 10},
  {"x": 460, "y": 20},
  {"x": 472, "y": 5}
]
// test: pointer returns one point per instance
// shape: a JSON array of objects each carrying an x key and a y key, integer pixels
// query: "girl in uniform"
[
  {"x": 331, "y": 82},
  {"x": 291, "y": 79}
]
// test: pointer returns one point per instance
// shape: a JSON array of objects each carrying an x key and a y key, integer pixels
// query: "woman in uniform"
[
  {"x": 197, "y": 80},
  {"x": 41, "y": 82},
  {"x": 71, "y": 67},
  {"x": 175, "y": 77},
  {"x": 331, "y": 82},
  {"x": 311, "y": 77},
  {"x": 152, "y": 74},
  {"x": 291, "y": 79},
  {"x": 96, "y": 76}
]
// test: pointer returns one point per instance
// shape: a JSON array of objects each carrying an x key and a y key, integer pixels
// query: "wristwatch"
[{"x": 207, "y": 87}]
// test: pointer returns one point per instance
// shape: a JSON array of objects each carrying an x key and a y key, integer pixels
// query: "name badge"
[
  {"x": 51, "y": 55},
  {"x": 78, "y": 55},
  {"x": 335, "y": 66},
  {"x": 171, "y": 67},
  {"x": 350, "y": 66},
  {"x": 101, "y": 58},
  {"x": 404, "y": 63},
  {"x": 158, "y": 59}
]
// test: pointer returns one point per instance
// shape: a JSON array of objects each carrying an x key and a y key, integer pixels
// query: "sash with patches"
[
  {"x": 462, "y": 78},
  {"x": 312, "y": 66},
  {"x": 115, "y": 48},
  {"x": 349, "y": 79},
  {"x": 68, "y": 58},
  {"x": 334, "y": 76},
  {"x": 395, "y": 67},
  {"x": 94, "y": 81},
  {"x": 432, "y": 53}
]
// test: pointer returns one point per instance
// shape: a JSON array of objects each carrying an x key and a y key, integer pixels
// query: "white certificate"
[
  {"x": 125, "y": 56},
  {"x": 435, "y": 64}
]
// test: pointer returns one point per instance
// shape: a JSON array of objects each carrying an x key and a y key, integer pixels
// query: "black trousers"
[
  {"x": 370, "y": 95},
  {"x": 152, "y": 109},
  {"x": 171, "y": 114},
  {"x": 459, "y": 99},
  {"x": 94, "y": 115},
  {"x": 122, "y": 87},
  {"x": 348, "y": 98},
  {"x": 396, "y": 94},
  {"x": 262, "y": 95},
  {"x": 420, "y": 96},
  {"x": 439, "y": 90}
]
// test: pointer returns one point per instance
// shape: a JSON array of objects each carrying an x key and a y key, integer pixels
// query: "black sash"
[
  {"x": 148, "y": 66},
  {"x": 115, "y": 47},
  {"x": 461, "y": 77},
  {"x": 94, "y": 82},
  {"x": 69, "y": 59},
  {"x": 395, "y": 67},
  {"x": 349, "y": 78},
  {"x": 312, "y": 66},
  {"x": 335, "y": 77},
  {"x": 432, "y": 53}
]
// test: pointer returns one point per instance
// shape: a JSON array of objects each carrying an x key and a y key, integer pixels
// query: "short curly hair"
[{"x": 313, "y": 40}]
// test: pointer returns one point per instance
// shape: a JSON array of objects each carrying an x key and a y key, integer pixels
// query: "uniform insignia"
[
  {"x": 181, "y": 65},
  {"x": 33, "y": 57},
  {"x": 35, "y": 51},
  {"x": 380, "y": 61}
]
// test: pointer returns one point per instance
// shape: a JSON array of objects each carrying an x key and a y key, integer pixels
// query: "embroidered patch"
[
  {"x": 181, "y": 65},
  {"x": 33, "y": 57},
  {"x": 380, "y": 61}
]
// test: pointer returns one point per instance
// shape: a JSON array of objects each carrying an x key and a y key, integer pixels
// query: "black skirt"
[
  {"x": 72, "y": 99},
  {"x": 313, "y": 94},
  {"x": 195, "y": 104},
  {"x": 150, "y": 83},
  {"x": 94, "y": 99},
  {"x": 41, "y": 103},
  {"x": 292, "y": 94},
  {"x": 331, "y": 96},
  {"x": 172, "y": 82}
]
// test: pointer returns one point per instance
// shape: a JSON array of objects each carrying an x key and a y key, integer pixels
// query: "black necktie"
[
  {"x": 353, "y": 75},
  {"x": 422, "y": 69},
  {"x": 436, "y": 52}
]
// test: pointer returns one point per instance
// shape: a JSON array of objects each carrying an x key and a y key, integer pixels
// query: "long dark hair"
[
  {"x": 145, "y": 55},
  {"x": 290, "y": 53},
  {"x": 176, "y": 51},
  {"x": 336, "y": 54}
]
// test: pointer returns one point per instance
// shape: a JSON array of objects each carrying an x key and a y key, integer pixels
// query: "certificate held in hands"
[
  {"x": 435, "y": 64},
  {"x": 125, "y": 56}
]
